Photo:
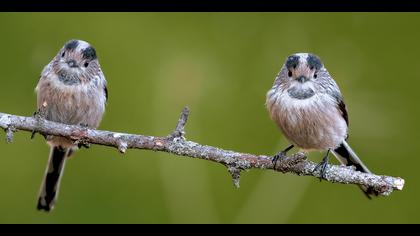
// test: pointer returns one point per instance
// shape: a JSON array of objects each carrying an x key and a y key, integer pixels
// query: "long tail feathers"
[
  {"x": 51, "y": 183},
  {"x": 348, "y": 157}
]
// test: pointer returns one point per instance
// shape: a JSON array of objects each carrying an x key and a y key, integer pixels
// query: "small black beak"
[
  {"x": 72, "y": 63},
  {"x": 302, "y": 79}
]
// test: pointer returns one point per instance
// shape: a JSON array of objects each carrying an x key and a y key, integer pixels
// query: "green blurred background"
[{"x": 220, "y": 65}]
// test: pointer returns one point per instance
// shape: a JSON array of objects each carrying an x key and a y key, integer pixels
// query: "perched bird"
[
  {"x": 72, "y": 90},
  {"x": 306, "y": 104}
]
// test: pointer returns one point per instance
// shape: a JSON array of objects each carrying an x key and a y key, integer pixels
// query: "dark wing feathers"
[
  {"x": 343, "y": 110},
  {"x": 106, "y": 94}
]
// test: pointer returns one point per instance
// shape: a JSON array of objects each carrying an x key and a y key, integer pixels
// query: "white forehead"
[
  {"x": 82, "y": 45},
  {"x": 303, "y": 56}
]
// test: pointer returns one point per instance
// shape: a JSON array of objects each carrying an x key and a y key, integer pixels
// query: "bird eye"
[
  {"x": 315, "y": 75},
  {"x": 289, "y": 74},
  {"x": 86, "y": 64},
  {"x": 62, "y": 54},
  {"x": 311, "y": 67}
]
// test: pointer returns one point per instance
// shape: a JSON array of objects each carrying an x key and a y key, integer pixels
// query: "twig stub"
[
  {"x": 180, "y": 127},
  {"x": 236, "y": 175},
  {"x": 9, "y": 134}
]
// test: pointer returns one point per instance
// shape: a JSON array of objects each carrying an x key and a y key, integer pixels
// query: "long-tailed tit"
[
  {"x": 307, "y": 105},
  {"x": 72, "y": 90}
]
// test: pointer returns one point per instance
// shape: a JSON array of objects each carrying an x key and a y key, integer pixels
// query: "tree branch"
[{"x": 176, "y": 143}]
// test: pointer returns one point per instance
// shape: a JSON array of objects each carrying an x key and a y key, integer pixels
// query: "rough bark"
[{"x": 177, "y": 144}]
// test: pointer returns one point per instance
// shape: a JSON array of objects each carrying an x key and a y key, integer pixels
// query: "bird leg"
[
  {"x": 322, "y": 166},
  {"x": 281, "y": 154}
]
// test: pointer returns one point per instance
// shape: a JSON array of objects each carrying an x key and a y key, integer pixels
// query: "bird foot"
[
  {"x": 84, "y": 125},
  {"x": 39, "y": 114},
  {"x": 83, "y": 142},
  {"x": 322, "y": 166},
  {"x": 278, "y": 156}
]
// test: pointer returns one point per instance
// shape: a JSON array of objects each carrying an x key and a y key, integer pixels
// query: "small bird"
[
  {"x": 72, "y": 90},
  {"x": 306, "y": 104}
]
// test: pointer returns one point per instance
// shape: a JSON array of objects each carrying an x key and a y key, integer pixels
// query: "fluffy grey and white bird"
[
  {"x": 307, "y": 105},
  {"x": 72, "y": 90}
]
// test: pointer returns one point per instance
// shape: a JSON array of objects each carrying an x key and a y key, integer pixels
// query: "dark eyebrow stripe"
[
  {"x": 89, "y": 53},
  {"x": 292, "y": 61},
  {"x": 72, "y": 45},
  {"x": 314, "y": 61}
]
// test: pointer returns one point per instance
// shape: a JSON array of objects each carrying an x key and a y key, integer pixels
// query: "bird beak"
[
  {"x": 302, "y": 79},
  {"x": 72, "y": 63}
]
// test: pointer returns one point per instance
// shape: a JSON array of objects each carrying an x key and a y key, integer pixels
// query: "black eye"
[
  {"x": 86, "y": 64},
  {"x": 315, "y": 75},
  {"x": 63, "y": 54},
  {"x": 311, "y": 67},
  {"x": 289, "y": 74}
]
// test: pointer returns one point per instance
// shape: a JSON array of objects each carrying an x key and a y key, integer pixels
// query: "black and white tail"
[
  {"x": 51, "y": 183},
  {"x": 348, "y": 157}
]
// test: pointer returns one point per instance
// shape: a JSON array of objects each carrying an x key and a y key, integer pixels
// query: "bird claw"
[
  {"x": 278, "y": 156},
  {"x": 38, "y": 114},
  {"x": 281, "y": 155},
  {"x": 85, "y": 145},
  {"x": 33, "y": 134},
  {"x": 322, "y": 166},
  {"x": 83, "y": 142},
  {"x": 84, "y": 125}
]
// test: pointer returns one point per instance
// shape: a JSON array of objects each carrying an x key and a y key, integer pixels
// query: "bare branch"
[{"x": 177, "y": 144}]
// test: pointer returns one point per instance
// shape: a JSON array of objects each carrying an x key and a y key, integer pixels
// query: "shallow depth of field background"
[{"x": 221, "y": 66}]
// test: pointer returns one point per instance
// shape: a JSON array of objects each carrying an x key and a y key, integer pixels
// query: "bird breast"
[
  {"x": 314, "y": 123},
  {"x": 83, "y": 103}
]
